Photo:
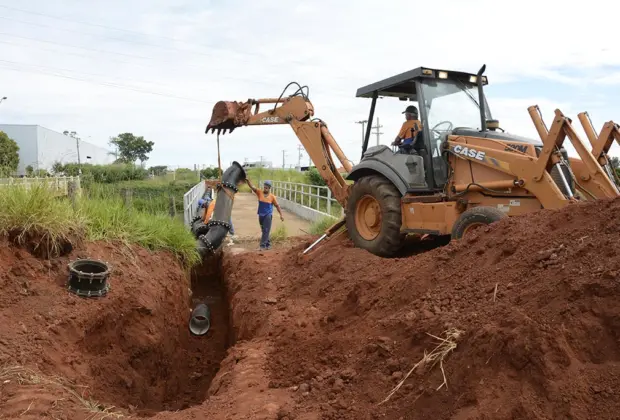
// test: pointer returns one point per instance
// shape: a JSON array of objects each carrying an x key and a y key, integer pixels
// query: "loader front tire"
[
  {"x": 374, "y": 216},
  {"x": 474, "y": 218}
]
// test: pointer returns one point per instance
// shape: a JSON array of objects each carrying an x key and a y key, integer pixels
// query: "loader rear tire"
[
  {"x": 474, "y": 218},
  {"x": 374, "y": 216}
]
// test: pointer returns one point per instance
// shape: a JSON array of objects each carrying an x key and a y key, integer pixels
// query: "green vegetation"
[
  {"x": 36, "y": 213},
  {"x": 9, "y": 155},
  {"x": 103, "y": 174},
  {"x": 320, "y": 226},
  {"x": 131, "y": 148},
  {"x": 279, "y": 234},
  {"x": 151, "y": 196}
]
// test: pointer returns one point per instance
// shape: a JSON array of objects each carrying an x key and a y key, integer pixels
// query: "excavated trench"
[{"x": 147, "y": 364}]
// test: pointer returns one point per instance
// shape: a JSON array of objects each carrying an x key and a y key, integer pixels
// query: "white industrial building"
[{"x": 40, "y": 148}]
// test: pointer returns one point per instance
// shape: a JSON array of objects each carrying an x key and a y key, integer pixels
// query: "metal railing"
[
  {"x": 315, "y": 197},
  {"x": 190, "y": 202},
  {"x": 59, "y": 184}
]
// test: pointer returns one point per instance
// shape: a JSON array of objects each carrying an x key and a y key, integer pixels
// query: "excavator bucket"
[{"x": 228, "y": 116}]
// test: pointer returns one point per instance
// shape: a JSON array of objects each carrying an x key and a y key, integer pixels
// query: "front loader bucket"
[{"x": 228, "y": 116}]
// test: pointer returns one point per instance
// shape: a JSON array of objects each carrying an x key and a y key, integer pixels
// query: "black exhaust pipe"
[
  {"x": 219, "y": 225},
  {"x": 483, "y": 113}
]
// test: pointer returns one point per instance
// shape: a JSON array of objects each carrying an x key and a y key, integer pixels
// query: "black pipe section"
[
  {"x": 483, "y": 114},
  {"x": 219, "y": 225},
  {"x": 200, "y": 321},
  {"x": 88, "y": 278}
]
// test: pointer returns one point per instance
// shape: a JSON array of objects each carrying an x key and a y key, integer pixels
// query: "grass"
[
  {"x": 35, "y": 213},
  {"x": 25, "y": 376},
  {"x": 320, "y": 226},
  {"x": 444, "y": 347},
  {"x": 279, "y": 235},
  {"x": 151, "y": 196}
]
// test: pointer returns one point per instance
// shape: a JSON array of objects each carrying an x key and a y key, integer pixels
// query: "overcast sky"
[{"x": 156, "y": 67}]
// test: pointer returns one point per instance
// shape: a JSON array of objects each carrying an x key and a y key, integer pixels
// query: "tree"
[
  {"x": 58, "y": 168},
  {"x": 315, "y": 178},
  {"x": 158, "y": 170},
  {"x": 132, "y": 148},
  {"x": 615, "y": 162},
  {"x": 29, "y": 170},
  {"x": 9, "y": 155}
]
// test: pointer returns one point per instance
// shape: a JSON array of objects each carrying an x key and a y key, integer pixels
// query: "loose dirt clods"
[{"x": 521, "y": 320}]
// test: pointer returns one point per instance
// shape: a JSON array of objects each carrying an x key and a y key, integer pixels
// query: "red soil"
[
  {"x": 329, "y": 335},
  {"x": 132, "y": 348}
]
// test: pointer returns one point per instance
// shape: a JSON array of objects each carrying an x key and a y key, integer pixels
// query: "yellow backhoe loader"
[{"x": 462, "y": 171}]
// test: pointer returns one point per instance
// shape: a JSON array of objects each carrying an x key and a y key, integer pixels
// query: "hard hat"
[
  {"x": 201, "y": 201},
  {"x": 411, "y": 110},
  {"x": 268, "y": 183}
]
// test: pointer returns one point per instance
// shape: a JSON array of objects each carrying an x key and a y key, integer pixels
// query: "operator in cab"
[{"x": 409, "y": 130}]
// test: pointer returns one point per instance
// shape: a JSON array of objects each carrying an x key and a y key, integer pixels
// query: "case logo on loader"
[
  {"x": 468, "y": 152},
  {"x": 270, "y": 119}
]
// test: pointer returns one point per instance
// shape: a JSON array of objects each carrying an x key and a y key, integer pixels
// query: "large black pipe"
[{"x": 219, "y": 225}]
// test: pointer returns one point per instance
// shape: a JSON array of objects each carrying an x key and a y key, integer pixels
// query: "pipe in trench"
[{"x": 219, "y": 225}]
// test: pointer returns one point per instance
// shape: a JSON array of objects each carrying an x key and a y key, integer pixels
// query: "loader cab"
[{"x": 447, "y": 101}]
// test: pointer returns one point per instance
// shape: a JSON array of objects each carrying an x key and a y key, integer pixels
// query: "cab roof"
[{"x": 403, "y": 85}]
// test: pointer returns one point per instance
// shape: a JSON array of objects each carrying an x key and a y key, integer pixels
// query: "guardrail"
[
  {"x": 190, "y": 202},
  {"x": 310, "y": 202},
  {"x": 59, "y": 184}
]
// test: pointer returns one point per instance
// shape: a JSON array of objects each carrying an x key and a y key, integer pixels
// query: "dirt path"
[{"x": 245, "y": 220}]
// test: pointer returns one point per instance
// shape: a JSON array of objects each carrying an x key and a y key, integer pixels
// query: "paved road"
[{"x": 245, "y": 219}]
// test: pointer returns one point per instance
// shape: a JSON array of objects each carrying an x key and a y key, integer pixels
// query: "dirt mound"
[
  {"x": 63, "y": 356},
  {"x": 536, "y": 297}
]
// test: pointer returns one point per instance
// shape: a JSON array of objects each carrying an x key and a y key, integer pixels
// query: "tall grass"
[
  {"x": 279, "y": 234},
  {"x": 320, "y": 226},
  {"x": 38, "y": 214},
  {"x": 109, "y": 219}
]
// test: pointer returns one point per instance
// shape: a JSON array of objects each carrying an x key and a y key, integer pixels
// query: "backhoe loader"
[{"x": 463, "y": 170}]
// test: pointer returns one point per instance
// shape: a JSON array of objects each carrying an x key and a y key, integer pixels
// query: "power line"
[
  {"x": 129, "y": 41},
  {"x": 141, "y": 57},
  {"x": 108, "y": 84},
  {"x": 243, "y": 53}
]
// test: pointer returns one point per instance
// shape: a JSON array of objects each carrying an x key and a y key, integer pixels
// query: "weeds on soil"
[
  {"x": 320, "y": 226},
  {"x": 280, "y": 234},
  {"x": 37, "y": 213},
  {"x": 25, "y": 376},
  {"x": 444, "y": 347}
]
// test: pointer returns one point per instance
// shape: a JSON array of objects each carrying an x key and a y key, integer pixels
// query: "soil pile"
[{"x": 536, "y": 298}]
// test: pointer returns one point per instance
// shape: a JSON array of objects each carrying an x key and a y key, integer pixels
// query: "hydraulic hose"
[{"x": 219, "y": 225}]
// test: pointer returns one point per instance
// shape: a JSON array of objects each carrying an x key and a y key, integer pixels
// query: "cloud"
[{"x": 156, "y": 68}]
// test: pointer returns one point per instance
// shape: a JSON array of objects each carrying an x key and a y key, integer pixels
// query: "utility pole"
[
  {"x": 261, "y": 161},
  {"x": 377, "y": 127},
  {"x": 74, "y": 135},
  {"x": 283, "y": 159},
  {"x": 299, "y": 149},
  {"x": 363, "y": 122},
  {"x": 4, "y": 98}
]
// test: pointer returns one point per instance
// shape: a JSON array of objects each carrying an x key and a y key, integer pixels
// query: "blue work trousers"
[{"x": 265, "y": 225}]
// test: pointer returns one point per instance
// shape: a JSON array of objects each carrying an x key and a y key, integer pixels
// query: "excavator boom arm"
[{"x": 296, "y": 111}]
